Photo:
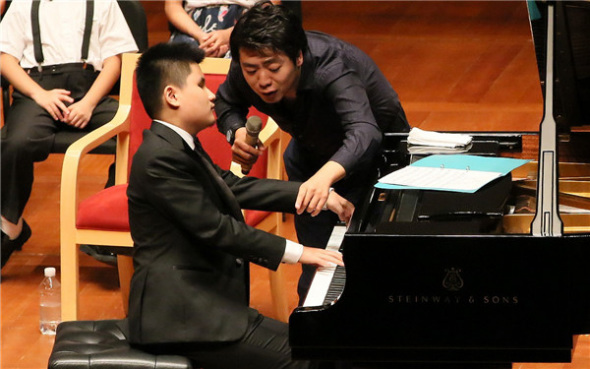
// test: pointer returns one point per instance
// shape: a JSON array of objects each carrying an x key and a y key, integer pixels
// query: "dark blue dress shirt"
[{"x": 343, "y": 105}]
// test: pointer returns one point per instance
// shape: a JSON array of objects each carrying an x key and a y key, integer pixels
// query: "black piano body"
[
  {"x": 448, "y": 290},
  {"x": 445, "y": 299}
]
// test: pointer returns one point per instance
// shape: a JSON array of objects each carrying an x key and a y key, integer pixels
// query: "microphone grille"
[{"x": 254, "y": 124}]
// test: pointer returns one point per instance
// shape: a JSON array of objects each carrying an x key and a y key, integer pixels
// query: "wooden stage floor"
[{"x": 456, "y": 66}]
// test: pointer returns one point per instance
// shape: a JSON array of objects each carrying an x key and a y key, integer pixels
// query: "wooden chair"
[{"x": 102, "y": 219}]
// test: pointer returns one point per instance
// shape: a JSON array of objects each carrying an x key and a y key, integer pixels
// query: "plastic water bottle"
[{"x": 49, "y": 303}]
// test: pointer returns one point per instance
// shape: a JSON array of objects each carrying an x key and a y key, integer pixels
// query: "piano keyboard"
[{"x": 328, "y": 282}]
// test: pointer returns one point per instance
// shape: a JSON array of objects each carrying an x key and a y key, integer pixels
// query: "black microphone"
[{"x": 253, "y": 128}]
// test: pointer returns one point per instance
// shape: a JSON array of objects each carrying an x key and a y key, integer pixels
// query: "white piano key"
[{"x": 323, "y": 276}]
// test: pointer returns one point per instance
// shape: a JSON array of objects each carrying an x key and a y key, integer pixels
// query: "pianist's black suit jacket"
[{"x": 192, "y": 246}]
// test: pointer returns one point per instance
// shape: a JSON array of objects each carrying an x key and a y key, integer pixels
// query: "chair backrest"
[
  {"x": 213, "y": 141},
  {"x": 139, "y": 121},
  {"x": 215, "y": 70}
]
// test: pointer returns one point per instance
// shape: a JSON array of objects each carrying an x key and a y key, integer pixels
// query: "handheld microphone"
[{"x": 253, "y": 128}]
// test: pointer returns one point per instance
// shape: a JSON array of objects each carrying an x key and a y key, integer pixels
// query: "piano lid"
[{"x": 571, "y": 76}]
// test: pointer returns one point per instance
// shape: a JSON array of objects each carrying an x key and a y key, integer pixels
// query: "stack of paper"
[
  {"x": 437, "y": 139},
  {"x": 457, "y": 173}
]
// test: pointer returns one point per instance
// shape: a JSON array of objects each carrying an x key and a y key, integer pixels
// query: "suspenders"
[
  {"x": 37, "y": 35},
  {"x": 87, "y": 29}
]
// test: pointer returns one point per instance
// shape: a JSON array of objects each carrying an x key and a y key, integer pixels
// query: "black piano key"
[{"x": 336, "y": 285}]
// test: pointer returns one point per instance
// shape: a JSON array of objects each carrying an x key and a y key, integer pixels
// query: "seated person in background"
[
  {"x": 56, "y": 88},
  {"x": 206, "y": 22},
  {"x": 189, "y": 291},
  {"x": 327, "y": 94}
]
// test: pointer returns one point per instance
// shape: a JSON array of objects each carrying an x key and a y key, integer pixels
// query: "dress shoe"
[
  {"x": 8, "y": 245},
  {"x": 100, "y": 253}
]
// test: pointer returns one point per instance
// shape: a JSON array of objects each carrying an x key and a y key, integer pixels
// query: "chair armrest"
[
  {"x": 93, "y": 139},
  {"x": 270, "y": 133},
  {"x": 119, "y": 125}
]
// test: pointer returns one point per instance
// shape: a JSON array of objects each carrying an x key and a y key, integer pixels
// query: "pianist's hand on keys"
[
  {"x": 321, "y": 257},
  {"x": 328, "y": 282}
]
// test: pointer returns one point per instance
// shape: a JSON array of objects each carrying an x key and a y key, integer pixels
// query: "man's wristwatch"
[{"x": 230, "y": 135}]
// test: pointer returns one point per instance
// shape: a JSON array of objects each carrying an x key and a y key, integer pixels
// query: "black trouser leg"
[
  {"x": 265, "y": 345},
  {"x": 29, "y": 134}
]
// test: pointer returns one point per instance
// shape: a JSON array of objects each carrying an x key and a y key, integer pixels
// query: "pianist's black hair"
[
  {"x": 164, "y": 64},
  {"x": 267, "y": 27}
]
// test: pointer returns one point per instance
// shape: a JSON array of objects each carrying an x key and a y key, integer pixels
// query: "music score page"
[
  {"x": 458, "y": 173},
  {"x": 459, "y": 180}
]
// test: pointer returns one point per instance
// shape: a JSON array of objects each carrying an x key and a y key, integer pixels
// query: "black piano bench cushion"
[{"x": 103, "y": 344}]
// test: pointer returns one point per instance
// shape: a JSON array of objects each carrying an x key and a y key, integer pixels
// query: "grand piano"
[{"x": 438, "y": 279}]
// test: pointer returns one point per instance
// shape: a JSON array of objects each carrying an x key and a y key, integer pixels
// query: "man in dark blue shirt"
[{"x": 327, "y": 94}]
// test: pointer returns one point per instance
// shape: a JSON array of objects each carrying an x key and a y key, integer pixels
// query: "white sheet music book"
[
  {"x": 418, "y": 136},
  {"x": 458, "y": 173}
]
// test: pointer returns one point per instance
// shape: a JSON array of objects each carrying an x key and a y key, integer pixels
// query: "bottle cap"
[{"x": 49, "y": 272}]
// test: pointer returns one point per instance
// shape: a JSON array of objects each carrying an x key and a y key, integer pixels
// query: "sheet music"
[
  {"x": 460, "y": 180},
  {"x": 418, "y": 136},
  {"x": 459, "y": 173}
]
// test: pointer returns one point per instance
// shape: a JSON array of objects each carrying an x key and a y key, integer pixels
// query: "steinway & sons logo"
[{"x": 453, "y": 282}]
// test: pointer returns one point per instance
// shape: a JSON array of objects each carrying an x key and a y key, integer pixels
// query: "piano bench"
[{"x": 103, "y": 344}]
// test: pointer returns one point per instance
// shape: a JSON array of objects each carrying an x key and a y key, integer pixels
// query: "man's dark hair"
[
  {"x": 164, "y": 64},
  {"x": 267, "y": 27}
]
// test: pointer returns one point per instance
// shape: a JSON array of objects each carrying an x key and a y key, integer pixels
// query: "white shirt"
[
  {"x": 61, "y": 25},
  {"x": 293, "y": 250}
]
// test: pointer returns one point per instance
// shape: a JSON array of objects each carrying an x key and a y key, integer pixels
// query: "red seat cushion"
[{"x": 106, "y": 210}]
